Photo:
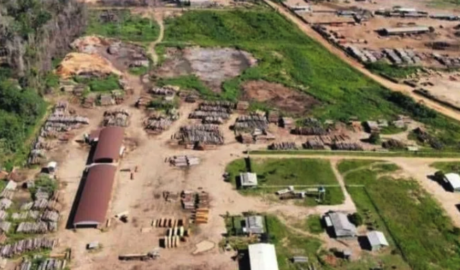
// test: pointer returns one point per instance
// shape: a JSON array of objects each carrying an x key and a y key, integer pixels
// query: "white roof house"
[
  {"x": 453, "y": 180},
  {"x": 248, "y": 179},
  {"x": 254, "y": 225},
  {"x": 377, "y": 240},
  {"x": 262, "y": 257}
]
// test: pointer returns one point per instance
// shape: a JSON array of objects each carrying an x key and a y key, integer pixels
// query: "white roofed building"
[
  {"x": 262, "y": 257},
  {"x": 377, "y": 240},
  {"x": 248, "y": 180},
  {"x": 453, "y": 180}
]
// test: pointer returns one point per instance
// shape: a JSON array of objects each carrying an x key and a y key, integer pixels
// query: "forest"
[{"x": 33, "y": 35}]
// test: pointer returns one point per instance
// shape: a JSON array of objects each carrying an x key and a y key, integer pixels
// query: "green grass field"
[
  {"x": 127, "y": 28},
  {"x": 276, "y": 174},
  {"x": 395, "y": 72},
  {"x": 447, "y": 167},
  {"x": 287, "y": 56},
  {"x": 412, "y": 220}
]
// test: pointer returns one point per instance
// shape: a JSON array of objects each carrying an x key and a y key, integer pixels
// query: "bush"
[
  {"x": 356, "y": 219},
  {"x": 374, "y": 138},
  {"x": 44, "y": 183}
]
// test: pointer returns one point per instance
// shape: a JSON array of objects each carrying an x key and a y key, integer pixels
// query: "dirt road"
[
  {"x": 358, "y": 66},
  {"x": 158, "y": 17}
]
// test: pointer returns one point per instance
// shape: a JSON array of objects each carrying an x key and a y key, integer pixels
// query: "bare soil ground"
[
  {"x": 442, "y": 86},
  {"x": 279, "y": 96},
  {"x": 212, "y": 65}
]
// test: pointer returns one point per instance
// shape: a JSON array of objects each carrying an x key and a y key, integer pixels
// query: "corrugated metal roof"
[
  {"x": 377, "y": 238},
  {"x": 109, "y": 144},
  {"x": 95, "y": 197},
  {"x": 342, "y": 226},
  {"x": 262, "y": 257},
  {"x": 453, "y": 179},
  {"x": 248, "y": 179},
  {"x": 407, "y": 29}
]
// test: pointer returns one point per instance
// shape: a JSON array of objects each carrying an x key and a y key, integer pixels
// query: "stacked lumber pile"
[
  {"x": 116, "y": 117},
  {"x": 157, "y": 125},
  {"x": 251, "y": 122},
  {"x": 309, "y": 131},
  {"x": 188, "y": 199},
  {"x": 314, "y": 144},
  {"x": 347, "y": 146},
  {"x": 48, "y": 264},
  {"x": 32, "y": 227},
  {"x": 57, "y": 126},
  {"x": 204, "y": 134},
  {"x": 213, "y": 113},
  {"x": 283, "y": 146},
  {"x": 394, "y": 144},
  {"x": 163, "y": 91},
  {"x": 184, "y": 161},
  {"x": 26, "y": 245},
  {"x": 143, "y": 101},
  {"x": 219, "y": 103}
]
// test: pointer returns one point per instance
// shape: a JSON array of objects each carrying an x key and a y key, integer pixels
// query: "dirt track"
[{"x": 339, "y": 53}]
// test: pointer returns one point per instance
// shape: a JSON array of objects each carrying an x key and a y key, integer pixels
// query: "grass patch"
[
  {"x": 275, "y": 174},
  {"x": 410, "y": 218},
  {"x": 397, "y": 72},
  {"x": 190, "y": 82},
  {"x": 289, "y": 244},
  {"x": 138, "y": 70},
  {"x": 349, "y": 165},
  {"x": 447, "y": 167},
  {"x": 127, "y": 27},
  {"x": 391, "y": 129},
  {"x": 44, "y": 183},
  {"x": 314, "y": 224},
  {"x": 287, "y": 56},
  {"x": 106, "y": 84},
  {"x": 420, "y": 154}
]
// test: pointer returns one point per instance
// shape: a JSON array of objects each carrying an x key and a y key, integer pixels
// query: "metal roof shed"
[
  {"x": 248, "y": 179},
  {"x": 377, "y": 240},
  {"x": 262, "y": 257},
  {"x": 254, "y": 225},
  {"x": 95, "y": 197},
  {"x": 341, "y": 225},
  {"x": 108, "y": 148},
  {"x": 453, "y": 180}
]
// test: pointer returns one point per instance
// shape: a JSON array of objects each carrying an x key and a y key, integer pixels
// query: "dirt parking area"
[
  {"x": 279, "y": 96},
  {"x": 212, "y": 65}
]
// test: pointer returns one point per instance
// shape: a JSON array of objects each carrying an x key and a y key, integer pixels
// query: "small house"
[
  {"x": 254, "y": 225},
  {"x": 287, "y": 122},
  {"x": 248, "y": 180},
  {"x": 377, "y": 240},
  {"x": 340, "y": 225},
  {"x": 453, "y": 181}
]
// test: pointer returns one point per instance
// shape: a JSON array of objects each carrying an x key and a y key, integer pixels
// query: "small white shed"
[{"x": 377, "y": 240}]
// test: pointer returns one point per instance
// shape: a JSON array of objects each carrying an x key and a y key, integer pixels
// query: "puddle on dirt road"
[{"x": 212, "y": 65}]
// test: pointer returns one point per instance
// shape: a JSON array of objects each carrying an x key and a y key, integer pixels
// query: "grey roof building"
[
  {"x": 340, "y": 224},
  {"x": 254, "y": 225},
  {"x": 248, "y": 179},
  {"x": 377, "y": 240}
]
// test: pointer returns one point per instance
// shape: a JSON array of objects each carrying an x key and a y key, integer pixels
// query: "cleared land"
[
  {"x": 409, "y": 216},
  {"x": 276, "y": 174},
  {"x": 289, "y": 57}
]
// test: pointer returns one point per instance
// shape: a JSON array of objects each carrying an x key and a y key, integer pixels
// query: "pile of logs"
[
  {"x": 32, "y": 227},
  {"x": 163, "y": 91},
  {"x": 250, "y": 122},
  {"x": 308, "y": 131},
  {"x": 394, "y": 144},
  {"x": 57, "y": 126},
  {"x": 116, "y": 117},
  {"x": 143, "y": 101},
  {"x": 184, "y": 161},
  {"x": 283, "y": 146},
  {"x": 205, "y": 114},
  {"x": 205, "y": 134},
  {"x": 188, "y": 199},
  {"x": 348, "y": 146},
  {"x": 48, "y": 264},
  {"x": 225, "y": 104},
  {"x": 314, "y": 144},
  {"x": 26, "y": 245},
  {"x": 213, "y": 112},
  {"x": 157, "y": 125}
]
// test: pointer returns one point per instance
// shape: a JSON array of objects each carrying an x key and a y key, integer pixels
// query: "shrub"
[{"x": 356, "y": 219}]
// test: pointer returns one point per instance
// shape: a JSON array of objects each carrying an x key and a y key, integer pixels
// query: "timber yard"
[{"x": 221, "y": 134}]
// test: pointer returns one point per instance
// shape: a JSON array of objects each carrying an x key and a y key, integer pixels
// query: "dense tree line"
[{"x": 33, "y": 33}]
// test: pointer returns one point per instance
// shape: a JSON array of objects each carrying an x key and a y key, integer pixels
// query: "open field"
[
  {"x": 420, "y": 154},
  {"x": 403, "y": 201},
  {"x": 274, "y": 174}
]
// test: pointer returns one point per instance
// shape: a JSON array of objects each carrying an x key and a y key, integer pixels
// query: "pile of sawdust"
[{"x": 77, "y": 63}]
